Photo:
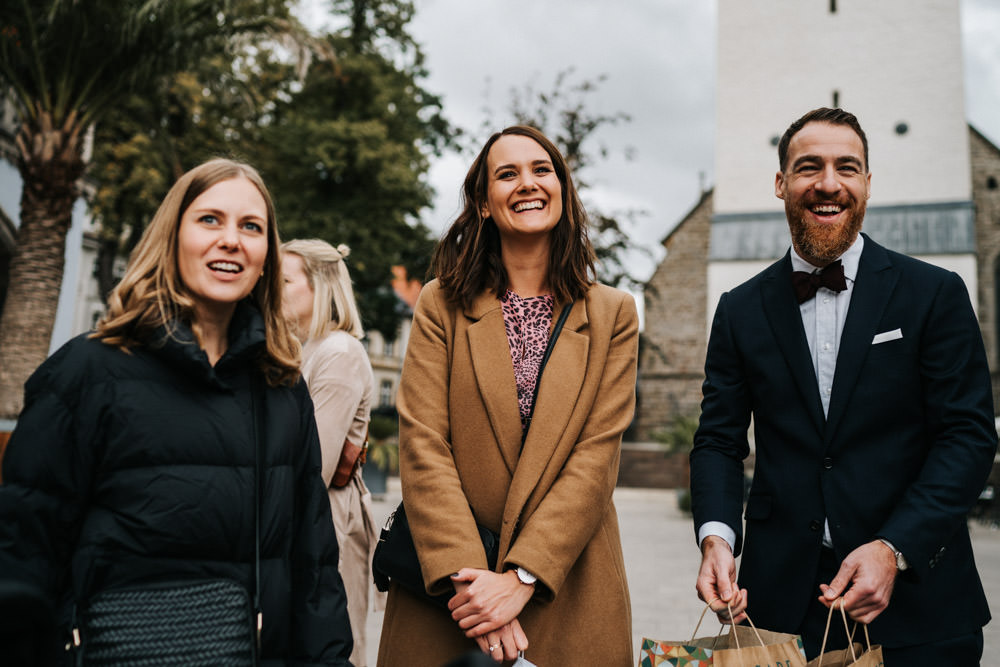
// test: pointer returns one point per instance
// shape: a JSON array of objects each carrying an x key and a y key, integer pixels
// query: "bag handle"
[
  {"x": 732, "y": 630},
  {"x": 553, "y": 337},
  {"x": 847, "y": 629}
]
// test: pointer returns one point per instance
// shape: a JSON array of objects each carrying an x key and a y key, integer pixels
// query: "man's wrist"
[
  {"x": 712, "y": 541},
  {"x": 897, "y": 555},
  {"x": 720, "y": 529}
]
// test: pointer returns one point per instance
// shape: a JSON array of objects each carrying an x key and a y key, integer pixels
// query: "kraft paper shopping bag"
[{"x": 739, "y": 647}]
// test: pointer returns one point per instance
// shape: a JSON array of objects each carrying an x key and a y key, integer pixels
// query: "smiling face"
[
  {"x": 222, "y": 246},
  {"x": 524, "y": 195},
  {"x": 825, "y": 186},
  {"x": 297, "y": 294}
]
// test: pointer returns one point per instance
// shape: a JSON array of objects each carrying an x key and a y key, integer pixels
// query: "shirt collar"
[{"x": 850, "y": 259}]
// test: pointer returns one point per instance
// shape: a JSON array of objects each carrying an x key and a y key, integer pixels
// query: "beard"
[{"x": 824, "y": 242}]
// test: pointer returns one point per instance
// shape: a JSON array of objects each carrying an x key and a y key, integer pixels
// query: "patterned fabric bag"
[{"x": 739, "y": 647}]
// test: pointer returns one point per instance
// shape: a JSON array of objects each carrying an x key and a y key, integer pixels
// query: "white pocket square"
[{"x": 885, "y": 337}]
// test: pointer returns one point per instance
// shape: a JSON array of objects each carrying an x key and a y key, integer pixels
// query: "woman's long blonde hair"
[
  {"x": 151, "y": 294},
  {"x": 334, "y": 305}
]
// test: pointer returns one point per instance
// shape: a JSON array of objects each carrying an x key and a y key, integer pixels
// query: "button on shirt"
[{"x": 823, "y": 319}]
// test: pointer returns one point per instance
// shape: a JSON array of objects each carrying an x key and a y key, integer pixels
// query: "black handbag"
[
  {"x": 191, "y": 622},
  {"x": 170, "y": 623},
  {"x": 395, "y": 557}
]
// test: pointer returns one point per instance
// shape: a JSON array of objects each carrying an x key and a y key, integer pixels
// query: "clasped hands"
[
  {"x": 486, "y": 606},
  {"x": 865, "y": 580}
]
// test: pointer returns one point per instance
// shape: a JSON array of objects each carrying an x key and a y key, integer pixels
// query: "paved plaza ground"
[{"x": 662, "y": 561}]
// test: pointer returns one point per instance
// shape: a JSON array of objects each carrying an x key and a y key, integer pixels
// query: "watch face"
[{"x": 525, "y": 576}]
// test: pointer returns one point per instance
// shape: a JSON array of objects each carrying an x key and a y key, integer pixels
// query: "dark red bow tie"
[{"x": 806, "y": 284}]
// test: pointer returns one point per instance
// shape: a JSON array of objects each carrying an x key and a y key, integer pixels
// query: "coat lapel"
[
  {"x": 785, "y": 319},
  {"x": 494, "y": 371},
  {"x": 560, "y": 387},
  {"x": 869, "y": 296}
]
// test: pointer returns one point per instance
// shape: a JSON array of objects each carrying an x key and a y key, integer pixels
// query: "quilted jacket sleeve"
[{"x": 47, "y": 475}]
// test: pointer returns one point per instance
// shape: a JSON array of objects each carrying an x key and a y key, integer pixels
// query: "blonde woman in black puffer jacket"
[{"x": 133, "y": 461}]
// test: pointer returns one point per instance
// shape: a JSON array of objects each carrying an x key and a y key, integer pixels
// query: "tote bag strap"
[{"x": 541, "y": 367}]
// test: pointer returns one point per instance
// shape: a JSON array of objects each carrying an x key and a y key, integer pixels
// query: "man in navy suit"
[{"x": 865, "y": 374}]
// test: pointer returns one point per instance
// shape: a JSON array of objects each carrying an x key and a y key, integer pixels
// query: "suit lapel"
[
  {"x": 494, "y": 371},
  {"x": 783, "y": 315},
  {"x": 869, "y": 296}
]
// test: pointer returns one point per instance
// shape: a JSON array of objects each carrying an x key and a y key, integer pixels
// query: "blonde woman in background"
[{"x": 320, "y": 305}]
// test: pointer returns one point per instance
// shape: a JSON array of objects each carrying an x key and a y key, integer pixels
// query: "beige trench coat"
[
  {"x": 340, "y": 380},
  {"x": 461, "y": 463}
]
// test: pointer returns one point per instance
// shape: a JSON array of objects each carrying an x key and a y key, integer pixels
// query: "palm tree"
[{"x": 63, "y": 64}]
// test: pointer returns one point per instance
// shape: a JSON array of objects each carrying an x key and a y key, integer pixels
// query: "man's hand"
[
  {"x": 716, "y": 583},
  {"x": 866, "y": 579}
]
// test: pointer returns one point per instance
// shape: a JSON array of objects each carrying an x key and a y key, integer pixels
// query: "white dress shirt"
[{"x": 823, "y": 320}]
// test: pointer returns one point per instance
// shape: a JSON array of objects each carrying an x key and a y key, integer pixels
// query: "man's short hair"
[{"x": 821, "y": 115}]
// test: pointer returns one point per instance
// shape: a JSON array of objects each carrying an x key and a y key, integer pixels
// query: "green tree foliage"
[
  {"x": 354, "y": 149},
  {"x": 565, "y": 114},
  {"x": 64, "y": 65},
  {"x": 343, "y": 145},
  {"x": 679, "y": 436}
]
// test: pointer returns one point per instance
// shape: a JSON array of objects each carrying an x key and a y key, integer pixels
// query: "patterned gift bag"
[{"x": 739, "y": 647}]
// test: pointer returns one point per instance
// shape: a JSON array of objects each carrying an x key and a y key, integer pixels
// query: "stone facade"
[
  {"x": 672, "y": 355},
  {"x": 985, "y": 157}
]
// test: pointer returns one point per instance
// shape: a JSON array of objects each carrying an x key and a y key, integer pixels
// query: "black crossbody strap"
[
  {"x": 541, "y": 367},
  {"x": 257, "y": 390}
]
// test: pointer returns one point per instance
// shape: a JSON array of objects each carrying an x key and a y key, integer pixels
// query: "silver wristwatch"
[
  {"x": 526, "y": 577},
  {"x": 901, "y": 563}
]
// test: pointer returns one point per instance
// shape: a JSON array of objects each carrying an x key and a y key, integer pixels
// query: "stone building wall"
[
  {"x": 672, "y": 357},
  {"x": 985, "y": 159}
]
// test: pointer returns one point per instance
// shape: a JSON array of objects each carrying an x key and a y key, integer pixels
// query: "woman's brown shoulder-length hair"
[
  {"x": 467, "y": 259},
  {"x": 151, "y": 294}
]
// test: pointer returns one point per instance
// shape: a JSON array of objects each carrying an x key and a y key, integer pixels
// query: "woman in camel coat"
[{"x": 516, "y": 256}]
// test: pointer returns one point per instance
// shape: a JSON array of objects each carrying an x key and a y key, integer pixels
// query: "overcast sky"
[{"x": 659, "y": 59}]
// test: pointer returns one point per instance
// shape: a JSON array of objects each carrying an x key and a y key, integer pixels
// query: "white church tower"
[{"x": 897, "y": 65}]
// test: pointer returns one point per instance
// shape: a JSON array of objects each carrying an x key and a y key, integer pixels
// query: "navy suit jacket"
[{"x": 903, "y": 453}]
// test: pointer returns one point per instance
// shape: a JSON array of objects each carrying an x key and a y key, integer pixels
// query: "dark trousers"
[{"x": 964, "y": 651}]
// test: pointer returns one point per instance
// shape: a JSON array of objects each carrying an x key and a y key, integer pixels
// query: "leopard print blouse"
[{"x": 527, "y": 322}]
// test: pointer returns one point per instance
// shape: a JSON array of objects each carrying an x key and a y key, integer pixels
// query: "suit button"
[
  {"x": 814, "y": 525},
  {"x": 827, "y": 463}
]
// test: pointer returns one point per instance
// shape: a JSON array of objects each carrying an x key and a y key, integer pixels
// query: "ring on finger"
[{"x": 494, "y": 647}]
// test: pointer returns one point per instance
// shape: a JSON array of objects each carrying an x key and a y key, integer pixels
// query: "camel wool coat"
[{"x": 461, "y": 463}]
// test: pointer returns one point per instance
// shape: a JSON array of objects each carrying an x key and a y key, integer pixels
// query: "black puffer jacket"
[{"x": 129, "y": 467}]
